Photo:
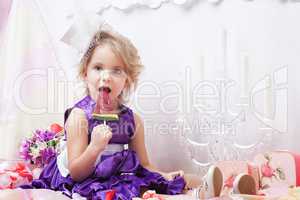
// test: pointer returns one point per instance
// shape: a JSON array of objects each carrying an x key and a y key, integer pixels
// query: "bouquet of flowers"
[{"x": 42, "y": 146}]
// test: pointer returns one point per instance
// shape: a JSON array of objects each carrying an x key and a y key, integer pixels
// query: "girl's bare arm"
[{"x": 81, "y": 155}]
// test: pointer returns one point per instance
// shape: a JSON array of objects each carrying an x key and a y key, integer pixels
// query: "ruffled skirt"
[{"x": 120, "y": 172}]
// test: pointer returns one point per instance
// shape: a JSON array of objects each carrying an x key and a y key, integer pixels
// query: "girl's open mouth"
[{"x": 105, "y": 89}]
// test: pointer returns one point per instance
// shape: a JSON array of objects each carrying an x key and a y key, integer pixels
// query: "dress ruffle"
[{"x": 121, "y": 172}]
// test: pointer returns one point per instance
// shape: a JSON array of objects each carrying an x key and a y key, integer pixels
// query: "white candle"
[
  {"x": 201, "y": 68},
  {"x": 245, "y": 76},
  {"x": 268, "y": 98},
  {"x": 224, "y": 52}
]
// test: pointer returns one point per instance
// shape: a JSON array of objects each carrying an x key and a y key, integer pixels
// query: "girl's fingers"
[
  {"x": 181, "y": 172},
  {"x": 177, "y": 173}
]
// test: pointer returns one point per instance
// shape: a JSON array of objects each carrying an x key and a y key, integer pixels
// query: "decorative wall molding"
[{"x": 129, "y": 5}]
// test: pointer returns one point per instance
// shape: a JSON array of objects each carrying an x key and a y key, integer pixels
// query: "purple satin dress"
[{"x": 120, "y": 171}]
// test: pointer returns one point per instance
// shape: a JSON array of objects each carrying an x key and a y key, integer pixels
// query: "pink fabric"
[
  {"x": 4, "y": 11},
  {"x": 229, "y": 181},
  {"x": 230, "y": 169},
  {"x": 297, "y": 163},
  {"x": 36, "y": 194},
  {"x": 276, "y": 192},
  {"x": 14, "y": 173}
]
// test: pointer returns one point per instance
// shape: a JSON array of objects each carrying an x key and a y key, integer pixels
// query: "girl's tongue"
[{"x": 104, "y": 103}]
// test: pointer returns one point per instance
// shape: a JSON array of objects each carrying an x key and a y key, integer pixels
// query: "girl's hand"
[
  {"x": 171, "y": 175},
  {"x": 100, "y": 137}
]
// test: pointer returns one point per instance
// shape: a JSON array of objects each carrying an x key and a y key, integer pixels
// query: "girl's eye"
[
  {"x": 117, "y": 71},
  {"x": 98, "y": 68}
]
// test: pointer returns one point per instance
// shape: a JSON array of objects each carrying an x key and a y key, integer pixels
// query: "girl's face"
[{"x": 105, "y": 69}]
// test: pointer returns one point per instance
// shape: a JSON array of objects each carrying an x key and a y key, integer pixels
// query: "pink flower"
[
  {"x": 266, "y": 170},
  {"x": 229, "y": 181},
  {"x": 56, "y": 128},
  {"x": 151, "y": 194}
]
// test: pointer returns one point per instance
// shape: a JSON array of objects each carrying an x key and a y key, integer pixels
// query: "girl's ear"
[
  {"x": 84, "y": 77},
  {"x": 127, "y": 83}
]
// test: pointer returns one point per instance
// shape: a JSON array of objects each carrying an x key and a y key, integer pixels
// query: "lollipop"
[{"x": 104, "y": 104}]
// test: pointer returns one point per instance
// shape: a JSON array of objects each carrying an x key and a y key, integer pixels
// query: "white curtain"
[{"x": 26, "y": 60}]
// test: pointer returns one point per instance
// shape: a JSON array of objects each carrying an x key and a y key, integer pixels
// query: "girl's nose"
[{"x": 105, "y": 75}]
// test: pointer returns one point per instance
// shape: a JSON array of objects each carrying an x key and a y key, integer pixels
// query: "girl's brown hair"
[{"x": 121, "y": 46}]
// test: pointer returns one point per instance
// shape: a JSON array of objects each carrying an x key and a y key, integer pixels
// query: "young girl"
[{"x": 96, "y": 161}]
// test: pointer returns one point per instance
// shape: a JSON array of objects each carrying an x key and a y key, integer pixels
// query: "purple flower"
[
  {"x": 25, "y": 149},
  {"x": 41, "y": 135},
  {"x": 47, "y": 154},
  {"x": 37, "y": 162}
]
